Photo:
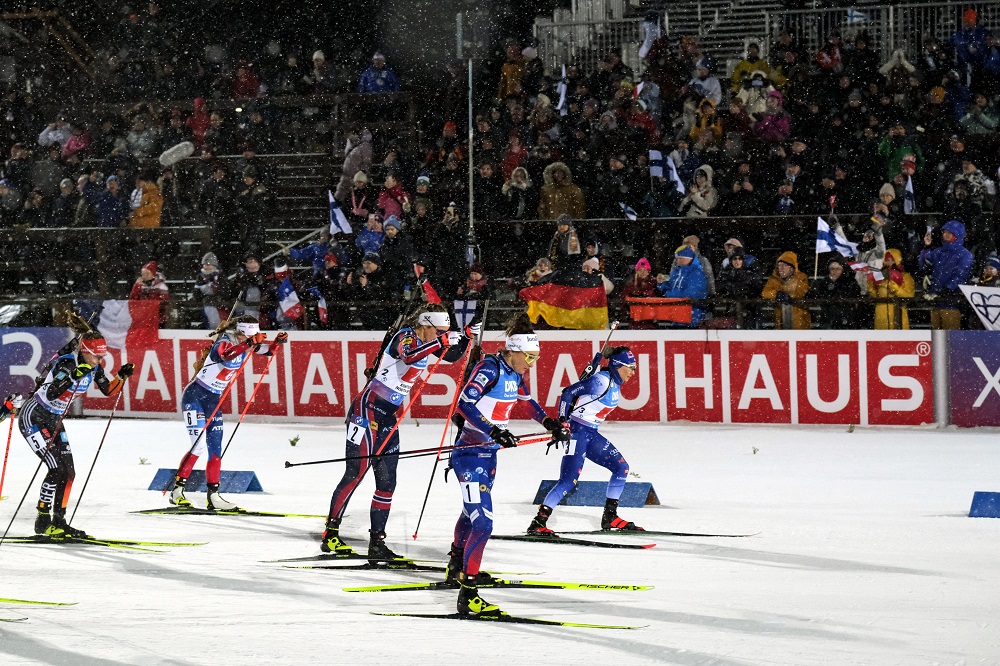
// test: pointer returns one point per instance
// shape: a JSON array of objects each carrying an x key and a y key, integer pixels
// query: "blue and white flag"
[
  {"x": 320, "y": 303},
  {"x": 828, "y": 241},
  {"x": 629, "y": 211},
  {"x": 338, "y": 221},
  {"x": 855, "y": 17},
  {"x": 658, "y": 164},
  {"x": 561, "y": 89},
  {"x": 465, "y": 312},
  {"x": 289, "y": 300}
]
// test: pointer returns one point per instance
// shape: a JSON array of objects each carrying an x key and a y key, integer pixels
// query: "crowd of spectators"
[{"x": 846, "y": 131}]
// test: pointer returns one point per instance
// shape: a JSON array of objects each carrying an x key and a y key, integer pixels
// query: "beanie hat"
[
  {"x": 152, "y": 267},
  {"x": 210, "y": 260},
  {"x": 112, "y": 177},
  {"x": 994, "y": 261},
  {"x": 684, "y": 251},
  {"x": 280, "y": 267},
  {"x": 736, "y": 242},
  {"x": 691, "y": 240},
  {"x": 318, "y": 55},
  {"x": 564, "y": 218},
  {"x": 373, "y": 257},
  {"x": 970, "y": 16},
  {"x": 393, "y": 221},
  {"x": 423, "y": 179},
  {"x": 908, "y": 162},
  {"x": 66, "y": 182},
  {"x": 330, "y": 257},
  {"x": 593, "y": 263},
  {"x": 451, "y": 126},
  {"x": 643, "y": 263},
  {"x": 887, "y": 190},
  {"x": 361, "y": 176}
]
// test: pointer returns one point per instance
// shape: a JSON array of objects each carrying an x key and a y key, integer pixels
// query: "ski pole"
[
  {"x": 79, "y": 497},
  {"x": 10, "y": 433},
  {"x": 23, "y": 497},
  {"x": 249, "y": 402},
  {"x": 531, "y": 438},
  {"x": 596, "y": 363},
  {"x": 451, "y": 412},
  {"x": 521, "y": 442}
]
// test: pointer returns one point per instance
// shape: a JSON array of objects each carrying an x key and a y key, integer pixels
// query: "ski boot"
[
  {"x": 378, "y": 551},
  {"x": 177, "y": 493},
  {"x": 537, "y": 526},
  {"x": 470, "y": 604},
  {"x": 42, "y": 522},
  {"x": 456, "y": 561},
  {"x": 62, "y": 528},
  {"x": 216, "y": 502},
  {"x": 332, "y": 543},
  {"x": 611, "y": 521}
]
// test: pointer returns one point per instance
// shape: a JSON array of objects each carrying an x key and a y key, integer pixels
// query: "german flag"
[{"x": 577, "y": 308}]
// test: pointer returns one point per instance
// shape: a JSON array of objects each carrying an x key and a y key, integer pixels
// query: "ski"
[
  {"x": 193, "y": 511},
  {"x": 507, "y": 619},
  {"x": 331, "y": 557},
  {"x": 368, "y": 566},
  {"x": 570, "y": 542},
  {"x": 32, "y": 602},
  {"x": 498, "y": 583},
  {"x": 13, "y": 619},
  {"x": 656, "y": 533},
  {"x": 120, "y": 542},
  {"x": 42, "y": 539}
]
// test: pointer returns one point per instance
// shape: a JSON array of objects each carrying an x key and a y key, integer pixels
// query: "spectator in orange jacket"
[
  {"x": 147, "y": 203},
  {"x": 788, "y": 282}
]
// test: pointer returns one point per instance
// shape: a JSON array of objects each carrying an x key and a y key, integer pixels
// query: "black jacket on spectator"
[{"x": 837, "y": 315}]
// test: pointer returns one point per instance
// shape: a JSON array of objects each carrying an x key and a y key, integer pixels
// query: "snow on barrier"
[{"x": 801, "y": 377}]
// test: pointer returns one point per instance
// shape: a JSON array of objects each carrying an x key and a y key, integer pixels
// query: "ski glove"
[
  {"x": 504, "y": 438},
  {"x": 256, "y": 339},
  {"x": 126, "y": 370},
  {"x": 559, "y": 431},
  {"x": 281, "y": 338},
  {"x": 449, "y": 339},
  {"x": 473, "y": 330},
  {"x": 82, "y": 371},
  {"x": 14, "y": 402},
  {"x": 782, "y": 297}
]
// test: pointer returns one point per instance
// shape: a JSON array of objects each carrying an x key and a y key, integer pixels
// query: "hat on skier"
[
  {"x": 523, "y": 342},
  {"x": 621, "y": 357},
  {"x": 96, "y": 346}
]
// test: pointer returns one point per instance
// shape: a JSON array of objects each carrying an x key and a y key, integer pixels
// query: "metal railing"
[
  {"x": 890, "y": 27},
  {"x": 585, "y": 43}
]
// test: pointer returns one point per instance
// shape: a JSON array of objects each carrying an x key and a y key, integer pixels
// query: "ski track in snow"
[{"x": 865, "y": 555}]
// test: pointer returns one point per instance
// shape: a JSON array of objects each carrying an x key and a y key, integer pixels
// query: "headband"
[
  {"x": 248, "y": 328},
  {"x": 439, "y": 320},
  {"x": 523, "y": 342},
  {"x": 97, "y": 346}
]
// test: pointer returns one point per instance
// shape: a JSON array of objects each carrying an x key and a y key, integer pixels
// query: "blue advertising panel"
[
  {"x": 23, "y": 354},
  {"x": 974, "y": 378}
]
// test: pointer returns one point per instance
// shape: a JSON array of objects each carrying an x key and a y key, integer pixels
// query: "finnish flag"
[
  {"x": 562, "y": 88},
  {"x": 289, "y": 300},
  {"x": 828, "y": 241},
  {"x": 465, "y": 312},
  {"x": 629, "y": 211},
  {"x": 656, "y": 164},
  {"x": 338, "y": 221}
]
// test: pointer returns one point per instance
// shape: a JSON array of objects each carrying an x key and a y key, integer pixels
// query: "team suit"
[
  {"x": 200, "y": 399},
  {"x": 373, "y": 415},
  {"x": 486, "y": 403},
  {"x": 585, "y": 405},
  {"x": 40, "y": 421}
]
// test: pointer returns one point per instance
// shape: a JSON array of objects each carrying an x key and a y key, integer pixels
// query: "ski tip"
[
  {"x": 287, "y": 464},
  {"x": 414, "y": 536},
  {"x": 649, "y": 545}
]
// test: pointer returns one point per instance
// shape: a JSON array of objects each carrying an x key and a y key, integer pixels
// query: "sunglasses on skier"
[{"x": 530, "y": 357}]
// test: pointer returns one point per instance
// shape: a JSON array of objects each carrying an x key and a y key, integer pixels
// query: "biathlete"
[
  {"x": 585, "y": 405},
  {"x": 40, "y": 420},
  {"x": 235, "y": 339},
  {"x": 485, "y": 404},
  {"x": 373, "y": 416}
]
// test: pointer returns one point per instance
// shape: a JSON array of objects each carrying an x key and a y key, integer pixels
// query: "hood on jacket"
[
  {"x": 557, "y": 166},
  {"x": 957, "y": 229},
  {"x": 789, "y": 258},
  {"x": 775, "y": 93},
  {"x": 762, "y": 73},
  {"x": 897, "y": 257},
  {"x": 708, "y": 171},
  {"x": 524, "y": 173},
  {"x": 709, "y": 102}
]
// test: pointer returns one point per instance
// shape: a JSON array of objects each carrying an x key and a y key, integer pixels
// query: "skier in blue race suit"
[
  {"x": 586, "y": 404},
  {"x": 486, "y": 403}
]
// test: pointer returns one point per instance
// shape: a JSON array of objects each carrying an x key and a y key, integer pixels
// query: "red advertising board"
[{"x": 809, "y": 377}]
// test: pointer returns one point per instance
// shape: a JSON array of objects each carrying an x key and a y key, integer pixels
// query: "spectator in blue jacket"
[
  {"x": 686, "y": 280},
  {"x": 371, "y": 236},
  {"x": 316, "y": 252},
  {"x": 950, "y": 266},
  {"x": 378, "y": 78},
  {"x": 110, "y": 204}
]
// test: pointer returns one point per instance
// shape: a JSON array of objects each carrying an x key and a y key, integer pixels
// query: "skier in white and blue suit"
[{"x": 585, "y": 405}]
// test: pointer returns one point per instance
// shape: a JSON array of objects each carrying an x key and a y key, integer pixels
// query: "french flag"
[
  {"x": 123, "y": 323},
  {"x": 320, "y": 303},
  {"x": 289, "y": 300}
]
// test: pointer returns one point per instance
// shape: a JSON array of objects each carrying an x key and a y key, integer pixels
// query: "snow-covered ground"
[{"x": 864, "y": 556}]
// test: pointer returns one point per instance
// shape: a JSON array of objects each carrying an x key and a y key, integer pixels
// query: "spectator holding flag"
[
  {"x": 151, "y": 286},
  {"x": 283, "y": 291},
  {"x": 897, "y": 283},
  {"x": 314, "y": 252}
]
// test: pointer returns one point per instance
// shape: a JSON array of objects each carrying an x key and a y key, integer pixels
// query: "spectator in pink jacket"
[{"x": 774, "y": 125}]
